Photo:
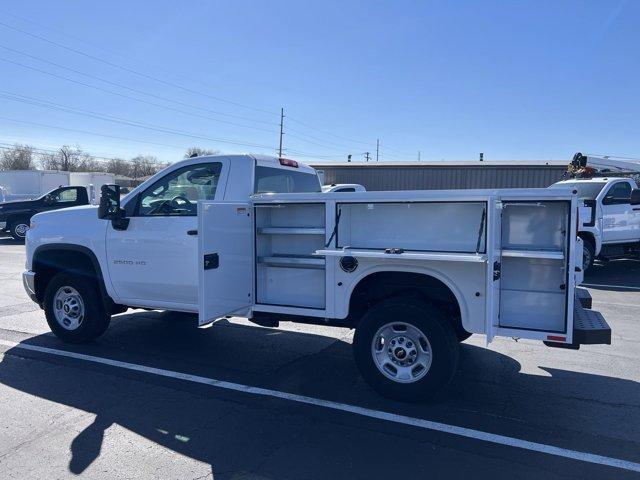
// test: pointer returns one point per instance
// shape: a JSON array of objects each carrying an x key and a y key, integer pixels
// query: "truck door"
[
  {"x": 536, "y": 269},
  {"x": 225, "y": 259},
  {"x": 617, "y": 214}
]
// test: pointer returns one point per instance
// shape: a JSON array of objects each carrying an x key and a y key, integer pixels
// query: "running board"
[{"x": 589, "y": 328}]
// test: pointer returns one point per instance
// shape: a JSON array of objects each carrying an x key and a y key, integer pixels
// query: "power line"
[
  {"x": 120, "y": 85},
  {"x": 131, "y": 70},
  {"x": 123, "y": 121}
]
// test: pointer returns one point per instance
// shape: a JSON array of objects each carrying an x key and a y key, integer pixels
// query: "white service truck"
[
  {"x": 609, "y": 224},
  {"x": 413, "y": 272}
]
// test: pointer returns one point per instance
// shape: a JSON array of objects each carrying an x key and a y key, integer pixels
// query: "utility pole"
[
  {"x": 418, "y": 155},
  {"x": 281, "y": 132},
  {"x": 377, "y": 149},
  {"x": 366, "y": 156}
]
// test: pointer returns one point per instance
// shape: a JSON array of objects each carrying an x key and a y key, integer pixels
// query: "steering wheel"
[{"x": 185, "y": 202}]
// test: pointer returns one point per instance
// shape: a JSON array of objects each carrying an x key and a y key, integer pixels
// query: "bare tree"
[
  {"x": 70, "y": 159},
  {"x": 144, "y": 166},
  {"x": 198, "y": 152},
  {"x": 19, "y": 157},
  {"x": 119, "y": 166}
]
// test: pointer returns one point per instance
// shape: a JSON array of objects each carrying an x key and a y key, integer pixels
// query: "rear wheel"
[
  {"x": 18, "y": 229},
  {"x": 405, "y": 349},
  {"x": 74, "y": 310}
]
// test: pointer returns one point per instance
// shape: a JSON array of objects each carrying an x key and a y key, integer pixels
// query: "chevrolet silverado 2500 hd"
[{"x": 414, "y": 272}]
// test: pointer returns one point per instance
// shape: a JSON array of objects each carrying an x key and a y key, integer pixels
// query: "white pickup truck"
[
  {"x": 609, "y": 216},
  {"x": 414, "y": 272}
]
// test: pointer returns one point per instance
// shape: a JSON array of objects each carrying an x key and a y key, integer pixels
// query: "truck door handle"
[
  {"x": 192, "y": 232},
  {"x": 636, "y": 209}
]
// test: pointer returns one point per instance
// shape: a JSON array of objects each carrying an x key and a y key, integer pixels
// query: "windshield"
[
  {"x": 280, "y": 180},
  {"x": 586, "y": 191}
]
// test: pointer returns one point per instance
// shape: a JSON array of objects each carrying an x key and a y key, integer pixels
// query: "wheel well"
[
  {"x": 588, "y": 237},
  {"x": 16, "y": 218},
  {"x": 379, "y": 286},
  {"x": 51, "y": 261}
]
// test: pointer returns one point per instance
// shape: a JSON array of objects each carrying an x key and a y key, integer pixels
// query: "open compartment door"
[
  {"x": 536, "y": 269},
  {"x": 225, "y": 259}
]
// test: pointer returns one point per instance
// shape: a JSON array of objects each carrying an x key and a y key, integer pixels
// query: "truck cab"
[{"x": 609, "y": 216}]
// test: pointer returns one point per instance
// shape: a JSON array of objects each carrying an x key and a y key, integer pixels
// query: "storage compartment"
[
  {"x": 534, "y": 260},
  {"x": 417, "y": 226},
  {"x": 534, "y": 225},
  {"x": 533, "y": 293},
  {"x": 287, "y": 271}
]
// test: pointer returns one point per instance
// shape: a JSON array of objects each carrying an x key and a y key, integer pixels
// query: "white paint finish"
[
  {"x": 225, "y": 229},
  {"x": 427, "y": 226},
  {"x": 92, "y": 181},
  {"x": 534, "y": 225},
  {"x": 154, "y": 260},
  {"x": 420, "y": 423},
  {"x": 532, "y": 310}
]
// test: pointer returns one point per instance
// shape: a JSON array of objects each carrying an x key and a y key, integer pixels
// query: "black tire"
[
  {"x": 95, "y": 320},
  {"x": 17, "y": 229},
  {"x": 588, "y": 254},
  {"x": 432, "y": 324}
]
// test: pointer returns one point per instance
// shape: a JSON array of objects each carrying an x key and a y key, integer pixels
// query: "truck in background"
[
  {"x": 92, "y": 181},
  {"x": 607, "y": 190},
  {"x": 15, "y": 216}
]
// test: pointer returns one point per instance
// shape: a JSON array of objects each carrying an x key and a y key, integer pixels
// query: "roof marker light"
[{"x": 288, "y": 163}]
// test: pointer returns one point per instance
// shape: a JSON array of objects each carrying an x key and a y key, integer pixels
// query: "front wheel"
[
  {"x": 74, "y": 310},
  {"x": 18, "y": 229},
  {"x": 405, "y": 349}
]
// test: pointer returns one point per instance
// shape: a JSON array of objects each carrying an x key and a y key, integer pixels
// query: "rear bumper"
[{"x": 28, "y": 281}]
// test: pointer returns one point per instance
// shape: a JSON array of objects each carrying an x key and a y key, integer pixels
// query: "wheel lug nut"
[{"x": 409, "y": 344}]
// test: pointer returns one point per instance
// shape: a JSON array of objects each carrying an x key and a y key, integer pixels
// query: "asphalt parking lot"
[{"x": 140, "y": 402}]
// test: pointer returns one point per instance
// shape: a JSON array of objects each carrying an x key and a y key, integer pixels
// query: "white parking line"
[
  {"x": 343, "y": 407},
  {"x": 597, "y": 285}
]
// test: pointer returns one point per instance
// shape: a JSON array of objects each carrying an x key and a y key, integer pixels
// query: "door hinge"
[
  {"x": 211, "y": 261},
  {"x": 497, "y": 269}
]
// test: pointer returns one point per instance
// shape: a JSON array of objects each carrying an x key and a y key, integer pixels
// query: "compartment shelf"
[
  {"x": 449, "y": 257},
  {"x": 548, "y": 254},
  {"x": 293, "y": 261},
  {"x": 291, "y": 230}
]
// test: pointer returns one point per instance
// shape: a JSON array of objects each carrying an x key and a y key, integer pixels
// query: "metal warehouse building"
[{"x": 443, "y": 175}]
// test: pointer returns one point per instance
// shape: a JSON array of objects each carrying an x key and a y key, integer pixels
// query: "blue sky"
[{"x": 513, "y": 79}]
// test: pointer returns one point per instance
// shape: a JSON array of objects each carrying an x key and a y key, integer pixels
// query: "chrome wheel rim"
[
  {"x": 21, "y": 229},
  {"x": 68, "y": 308},
  {"x": 401, "y": 352}
]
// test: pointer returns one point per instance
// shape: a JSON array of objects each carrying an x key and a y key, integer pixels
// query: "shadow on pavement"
[
  {"x": 613, "y": 274},
  {"x": 250, "y": 435}
]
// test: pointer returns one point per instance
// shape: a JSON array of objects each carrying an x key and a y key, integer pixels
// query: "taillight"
[{"x": 288, "y": 163}]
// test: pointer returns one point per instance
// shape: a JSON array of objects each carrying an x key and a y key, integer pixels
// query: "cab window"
[
  {"x": 618, "y": 194},
  {"x": 67, "y": 195},
  {"x": 280, "y": 180},
  {"x": 178, "y": 192}
]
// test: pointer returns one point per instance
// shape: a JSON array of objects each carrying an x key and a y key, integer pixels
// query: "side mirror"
[
  {"x": 608, "y": 200},
  {"x": 109, "y": 208},
  {"x": 635, "y": 196}
]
